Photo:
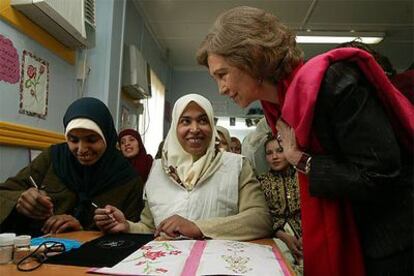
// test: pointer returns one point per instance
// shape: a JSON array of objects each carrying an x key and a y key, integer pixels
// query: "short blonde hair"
[{"x": 252, "y": 40}]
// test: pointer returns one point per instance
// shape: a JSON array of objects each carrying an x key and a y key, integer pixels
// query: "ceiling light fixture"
[{"x": 338, "y": 37}]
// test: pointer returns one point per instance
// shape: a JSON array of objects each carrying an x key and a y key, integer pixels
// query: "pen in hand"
[
  {"x": 108, "y": 215},
  {"x": 33, "y": 182},
  {"x": 39, "y": 189}
]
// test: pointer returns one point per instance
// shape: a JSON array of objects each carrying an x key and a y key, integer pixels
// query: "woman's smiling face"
[
  {"x": 194, "y": 132},
  {"x": 86, "y": 145},
  {"x": 129, "y": 146}
]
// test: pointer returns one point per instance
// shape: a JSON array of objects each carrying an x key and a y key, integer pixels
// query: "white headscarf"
[
  {"x": 174, "y": 157},
  {"x": 85, "y": 124},
  {"x": 226, "y": 135},
  {"x": 253, "y": 146}
]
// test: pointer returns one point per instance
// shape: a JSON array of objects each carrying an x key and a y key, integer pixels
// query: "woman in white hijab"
[
  {"x": 195, "y": 190},
  {"x": 253, "y": 147},
  {"x": 224, "y": 138}
]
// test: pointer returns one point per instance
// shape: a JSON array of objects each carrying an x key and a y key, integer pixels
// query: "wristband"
[{"x": 304, "y": 163}]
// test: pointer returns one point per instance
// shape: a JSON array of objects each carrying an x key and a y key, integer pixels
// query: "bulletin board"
[{"x": 26, "y": 26}]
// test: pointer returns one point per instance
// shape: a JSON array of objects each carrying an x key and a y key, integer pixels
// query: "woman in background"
[
  {"x": 133, "y": 149},
  {"x": 70, "y": 176},
  {"x": 224, "y": 138},
  {"x": 253, "y": 146},
  {"x": 235, "y": 145},
  {"x": 195, "y": 190},
  {"x": 281, "y": 188}
]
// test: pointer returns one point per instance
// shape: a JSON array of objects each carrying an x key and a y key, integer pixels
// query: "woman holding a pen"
[
  {"x": 196, "y": 190},
  {"x": 55, "y": 192}
]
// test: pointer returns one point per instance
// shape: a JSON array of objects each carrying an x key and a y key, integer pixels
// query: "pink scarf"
[{"x": 330, "y": 237}]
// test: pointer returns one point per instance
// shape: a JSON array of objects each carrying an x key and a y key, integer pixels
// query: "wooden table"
[{"x": 65, "y": 270}]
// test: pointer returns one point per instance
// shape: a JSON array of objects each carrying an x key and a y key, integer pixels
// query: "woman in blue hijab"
[{"x": 70, "y": 176}]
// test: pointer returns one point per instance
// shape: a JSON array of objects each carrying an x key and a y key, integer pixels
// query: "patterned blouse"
[{"x": 281, "y": 190}]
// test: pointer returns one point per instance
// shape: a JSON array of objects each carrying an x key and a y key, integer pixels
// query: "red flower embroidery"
[
  {"x": 163, "y": 270},
  {"x": 153, "y": 255},
  {"x": 31, "y": 71}
]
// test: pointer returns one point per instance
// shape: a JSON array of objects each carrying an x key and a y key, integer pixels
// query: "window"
[{"x": 151, "y": 121}]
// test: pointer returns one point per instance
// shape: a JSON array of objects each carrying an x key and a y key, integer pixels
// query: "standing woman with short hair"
[{"x": 343, "y": 126}]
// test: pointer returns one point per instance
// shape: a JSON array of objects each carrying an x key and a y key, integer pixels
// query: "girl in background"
[
  {"x": 281, "y": 188},
  {"x": 133, "y": 149}
]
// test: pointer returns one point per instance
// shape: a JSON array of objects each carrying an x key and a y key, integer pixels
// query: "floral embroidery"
[
  {"x": 235, "y": 262},
  {"x": 34, "y": 85},
  {"x": 149, "y": 259},
  {"x": 32, "y": 82}
]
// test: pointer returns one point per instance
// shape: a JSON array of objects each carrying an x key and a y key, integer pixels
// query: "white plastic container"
[
  {"x": 6, "y": 247},
  {"x": 21, "y": 247}
]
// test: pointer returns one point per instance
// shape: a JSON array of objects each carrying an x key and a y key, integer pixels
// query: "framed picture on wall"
[{"x": 34, "y": 85}]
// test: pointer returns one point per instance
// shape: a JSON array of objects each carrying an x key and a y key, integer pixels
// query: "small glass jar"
[
  {"x": 21, "y": 247},
  {"x": 6, "y": 247}
]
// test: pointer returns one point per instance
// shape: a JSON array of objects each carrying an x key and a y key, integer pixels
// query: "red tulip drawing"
[{"x": 33, "y": 79}]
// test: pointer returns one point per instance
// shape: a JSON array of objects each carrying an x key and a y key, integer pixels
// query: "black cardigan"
[{"x": 363, "y": 161}]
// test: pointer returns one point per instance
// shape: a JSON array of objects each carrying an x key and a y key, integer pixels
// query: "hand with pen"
[
  {"x": 35, "y": 203},
  {"x": 110, "y": 220}
]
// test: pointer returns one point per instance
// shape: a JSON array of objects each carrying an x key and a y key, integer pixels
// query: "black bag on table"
[{"x": 105, "y": 251}]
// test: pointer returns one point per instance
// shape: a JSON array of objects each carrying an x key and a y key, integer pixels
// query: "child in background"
[
  {"x": 281, "y": 190},
  {"x": 134, "y": 150}
]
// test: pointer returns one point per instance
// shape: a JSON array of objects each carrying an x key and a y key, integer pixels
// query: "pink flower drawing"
[
  {"x": 153, "y": 255},
  {"x": 33, "y": 79}
]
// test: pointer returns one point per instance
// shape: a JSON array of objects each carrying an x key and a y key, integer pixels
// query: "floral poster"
[{"x": 34, "y": 85}]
